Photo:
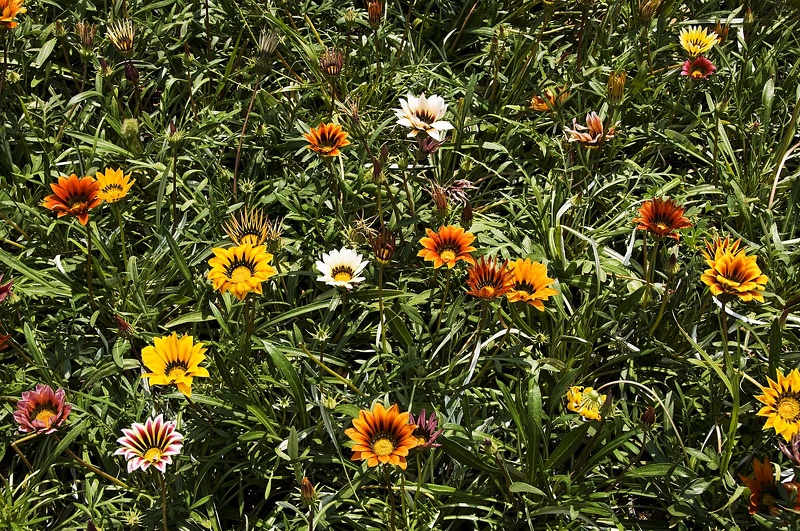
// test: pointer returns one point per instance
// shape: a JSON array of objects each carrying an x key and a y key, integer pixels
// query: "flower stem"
[
  {"x": 444, "y": 299},
  {"x": 174, "y": 188},
  {"x": 89, "y": 262},
  {"x": 91, "y": 467},
  {"x": 391, "y": 496},
  {"x": 163, "y": 488},
  {"x": 118, "y": 213},
  {"x": 732, "y": 374}
]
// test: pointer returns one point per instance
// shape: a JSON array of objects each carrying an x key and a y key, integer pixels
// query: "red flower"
[
  {"x": 699, "y": 68},
  {"x": 74, "y": 196},
  {"x": 41, "y": 410}
]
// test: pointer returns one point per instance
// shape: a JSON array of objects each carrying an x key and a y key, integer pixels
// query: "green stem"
[
  {"x": 92, "y": 468},
  {"x": 732, "y": 374},
  {"x": 89, "y": 262},
  {"x": 391, "y": 497},
  {"x": 444, "y": 299},
  {"x": 163, "y": 488},
  {"x": 118, "y": 213},
  {"x": 174, "y": 188}
]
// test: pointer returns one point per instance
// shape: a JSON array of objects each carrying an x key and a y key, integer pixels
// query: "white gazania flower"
[
  {"x": 341, "y": 268},
  {"x": 424, "y": 115}
]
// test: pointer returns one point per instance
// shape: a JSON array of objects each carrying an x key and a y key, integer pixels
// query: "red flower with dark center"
[
  {"x": 699, "y": 68},
  {"x": 326, "y": 139},
  {"x": 41, "y": 410},
  {"x": 487, "y": 280}
]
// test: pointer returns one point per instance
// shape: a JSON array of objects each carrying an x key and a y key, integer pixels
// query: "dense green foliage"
[{"x": 206, "y": 124}]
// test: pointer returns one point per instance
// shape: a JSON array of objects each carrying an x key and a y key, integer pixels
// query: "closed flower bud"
[
  {"x": 105, "y": 70},
  {"x": 86, "y": 33},
  {"x": 375, "y": 11},
  {"x": 123, "y": 326},
  {"x": 131, "y": 73},
  {"x": 267, "y": 43},
  {"x": 616, "y": 86},
  {"x": 466, "y": 216},
  {"x": 722, "y": 31},
  {"x": 307, "y": 492},
  {"x": 383, "y": 246},
  {"x": 130, "y": 129},
  {"x": 649, "y": 416}
]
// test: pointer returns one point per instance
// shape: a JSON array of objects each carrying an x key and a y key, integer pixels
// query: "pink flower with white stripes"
[{"x": 152, "y": 443}]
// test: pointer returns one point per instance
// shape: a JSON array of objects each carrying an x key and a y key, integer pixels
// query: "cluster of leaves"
[{"x": 196, "y": 110}]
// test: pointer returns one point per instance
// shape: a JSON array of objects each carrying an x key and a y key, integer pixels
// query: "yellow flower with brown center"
[
  {"x": 732, "y": 273},
  {"x": 662, "y": 217},
  {"x": 530, "y": 283},
  {"x": 240, "y": 269},
  {"x": 8, "y": 10},
  {"x": 382, "y": 436},
  {"x": 174, "y": 361},
  {"x": 447, "y": 246},
  {"x": 585, "y": 401},
  {"x": 113, "y": 185},
  {"x": 327, "y": 139},
  {"x": 781, "y": 401},
  {"x": 488, "y": 280},
  {"x": 250, "y": 227},
  {"x": 696, "y": 40}
]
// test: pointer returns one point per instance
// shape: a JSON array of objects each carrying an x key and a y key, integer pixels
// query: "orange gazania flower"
[
  {"x": 530, "y": 283},
  {"x": 662, "y": 217},
  {"x": 447, "y": 246},
  {"x": 74, "y": 196},
  {"x": 731, "y": 272},
  {"x": 326, "y": 139},
  {"x": 382, "y": 436},
  {"x": 550, "y": 100},
  {"x": 488, "y": 280},
  {"x": 764, "y": 496},
  {"x": 8, "y": 10}
]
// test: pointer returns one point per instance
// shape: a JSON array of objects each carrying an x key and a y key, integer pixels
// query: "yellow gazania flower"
[
  {"x": 585, "y": 401},
  {"x": 8, "y": 10},
  {"x": 530, "y": 283},
  {"x": 696, "y": 40},
  {"x": 113, "y": 185},
  {"x": 731, "y": 272},
  {"x": 174, "y": 360},
  {"x": 781, "y": 401},
  {"x": 240, "y": 269}
]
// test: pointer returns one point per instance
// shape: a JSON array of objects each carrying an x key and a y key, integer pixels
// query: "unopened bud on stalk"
[
  {"x": 375, "y": 11},
  {"x": 307, "y": 492},
  {"x": 616, "y": 85}
]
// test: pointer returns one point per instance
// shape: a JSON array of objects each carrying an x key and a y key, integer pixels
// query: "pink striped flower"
[
  {"x": 152, "y": 443},
  {"x": 41, "y": 410}
]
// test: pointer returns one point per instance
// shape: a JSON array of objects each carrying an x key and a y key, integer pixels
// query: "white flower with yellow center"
[
  {"x": 341, "y": 268},
  {"x": 424, "y": 115}
]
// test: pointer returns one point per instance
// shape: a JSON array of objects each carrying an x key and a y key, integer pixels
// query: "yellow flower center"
[
  {"x": 45, "y": 415},
  {"x": 241, "y": 274},
  {"x": 448, "y": 255},
  {"x": 153, "y": 454},
  {"x": 383, "y": 446},
  {"x": 662, "y": 226},
  {"x": 697, "y": 74},
  {"x": 176, "y": 370},
  {"x": 343, "y": 276},
  {"x": 788, "y": 408}
]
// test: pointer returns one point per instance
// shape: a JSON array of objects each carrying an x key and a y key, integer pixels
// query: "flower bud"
[
  {"x": 123, "y": 326},
  {"x": 375, "y": 11},
  {"x": 131, "y": 73},
  {"x": 616, "y": 86},
  {"x": 649, "y": 416},
  {"x": 332, "y": 62},
  {"x": 130, "y": 129},
  {"x": 307, "y": 492}
]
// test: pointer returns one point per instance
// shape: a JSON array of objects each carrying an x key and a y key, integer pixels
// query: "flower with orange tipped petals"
[
  {"x": 765, "y": 497},
  {"x": 382, "y": 436},
  {"x": 326, "y": 139},
  {"x": 732, "y": 273},
  {"x": 488, "y": 280},
  {"x": 73, "y": 196},
  {"x": 8, "y": 10},
  {"x": 41, "y": 410},
  {"x": 530, "y": 283},
  {"x": 593, "y": 134},
  {"x": 662, "y": 217},
  {"x": 447, "y": 246}
]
